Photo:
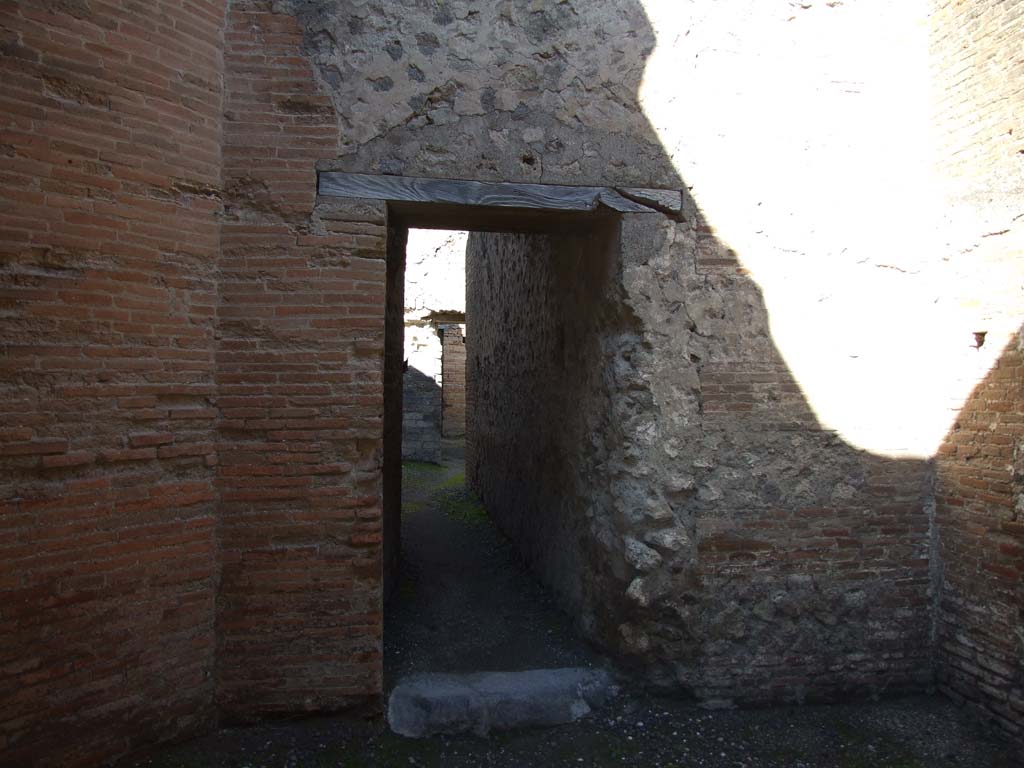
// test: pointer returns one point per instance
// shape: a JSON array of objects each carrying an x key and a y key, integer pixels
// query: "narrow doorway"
[
  {"x": 549, "y": 339},
  {"x": 463, "y": 597}
]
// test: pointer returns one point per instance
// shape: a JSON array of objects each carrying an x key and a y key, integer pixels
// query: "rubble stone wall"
[
  {"x": 434, "y": 285},
  {"x": 675, "y": 489},
  {"x": 421, "y": 393},
  {"x": 536, "y": 304}
]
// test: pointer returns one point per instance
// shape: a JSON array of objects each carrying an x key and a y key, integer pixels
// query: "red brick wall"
[
  {"x": 110, "y": 130},
  {"x": 978, "y": 101},
  {"x": 981, "y": 649},
  {"x": 299, "y": 375},
  {"x": 453, "y": 382}
]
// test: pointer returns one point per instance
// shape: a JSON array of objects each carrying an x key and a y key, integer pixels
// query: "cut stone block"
[{"x": 425, "y": 705}]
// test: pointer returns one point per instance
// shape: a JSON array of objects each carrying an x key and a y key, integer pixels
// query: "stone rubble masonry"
[
  {"x": 421, "y": 409},
  {"x": 453, "y": 381},
  {"x": 434, "y": 389},
  {"x": 110, "y": 137},
  {"x": 703, "y": 550}
]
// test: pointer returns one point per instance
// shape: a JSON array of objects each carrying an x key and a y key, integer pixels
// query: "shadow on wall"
[
  {"x": 639, "y": 437},
  {"x": 719, "y": 534},
  {"x": 421, "y": 416}
]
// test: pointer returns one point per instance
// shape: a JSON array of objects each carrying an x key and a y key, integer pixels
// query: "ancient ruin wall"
[
  {"x": 674, "y": 488},
  {"x": 300, "y": 384},
  {"x": 792, "y": 421},
  {"x": 803, "y": 154},
  {"x": 435, "y": 291},
  {"x": 813, "y": 403},
  {"x": 421, "y": 416},
  {"x": 799, "y": 564},
  {"x": 110, "y": 156},
  {"x": 978, "y": 95},
  {"x": 453, "y": 381},
  {"x": 539, "y": 308},
  {"x": 496, "y": 91}
]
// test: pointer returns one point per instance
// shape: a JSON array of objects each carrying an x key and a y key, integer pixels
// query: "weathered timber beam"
[{"x": 548, "y": 197}]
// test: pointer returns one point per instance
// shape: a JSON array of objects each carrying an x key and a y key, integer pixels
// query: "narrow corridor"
[{"x": 465, "y": 602}]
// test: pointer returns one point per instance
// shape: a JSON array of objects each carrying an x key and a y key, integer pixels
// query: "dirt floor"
[{"x": 465, "y": 603}]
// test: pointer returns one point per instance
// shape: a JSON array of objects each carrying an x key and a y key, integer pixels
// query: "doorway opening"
[
  {"x": 482, "y": 495},
  {"x": 548, "y": 337}
]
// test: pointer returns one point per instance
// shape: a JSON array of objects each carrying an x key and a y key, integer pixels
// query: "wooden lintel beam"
[{"x": 548, "y": 197}]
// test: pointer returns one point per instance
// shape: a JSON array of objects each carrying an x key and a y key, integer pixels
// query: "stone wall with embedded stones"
[
  {"x": 537, "y": 305},
  {"x": 675, "y": 489},
  {"x": 421, "y": 409},
  {"x": 508, "y": 91}
]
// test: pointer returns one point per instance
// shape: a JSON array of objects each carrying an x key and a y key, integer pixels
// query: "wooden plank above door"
[{"x": 538, "y": 197}]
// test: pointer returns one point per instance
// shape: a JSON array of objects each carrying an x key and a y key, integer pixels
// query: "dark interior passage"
[
  {"x": 466, "y": 582},
  {"x": 464, "y": 601}
]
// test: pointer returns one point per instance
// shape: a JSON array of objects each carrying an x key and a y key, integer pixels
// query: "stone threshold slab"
[{"x": 481, "y": 702}]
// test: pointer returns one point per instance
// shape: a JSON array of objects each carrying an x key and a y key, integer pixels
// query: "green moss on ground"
[{"x": 461, "y": 504}]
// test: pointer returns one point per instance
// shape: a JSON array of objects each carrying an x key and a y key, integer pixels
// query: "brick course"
[
  {"x": 453, "y": 381},
  {"x": 192, "y": 471},
  {"x": 978, "y": 99},
  {"x": 299, "y": 375},
  {"x": 110, "y": 133}
]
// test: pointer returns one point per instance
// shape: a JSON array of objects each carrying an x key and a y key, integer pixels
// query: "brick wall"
[
  {"x": 421, "y": 388},
  {"x": 110, "y": 130},
  {"x": 453, "y": 381},
  {"x": 977, "y": 102},
  {"x": 981, "y": 548},
  {"x": 299, "y": 377},
  {"x": 394, "y": 403}
]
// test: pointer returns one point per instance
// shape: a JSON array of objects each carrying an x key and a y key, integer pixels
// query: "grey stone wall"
[
  {"x": 747, "y": 510},
  {"x": 634, "y": 431},
  {"x": 509, "y": 91},
  {"x": 535, "y": 385},
  {"x": 421, "y": 417}
]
